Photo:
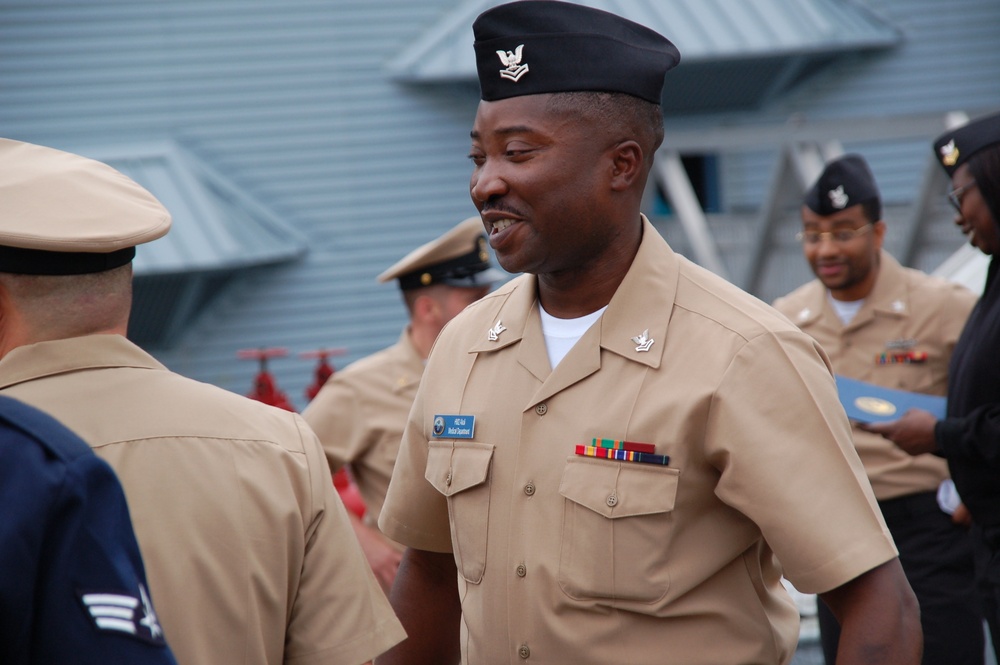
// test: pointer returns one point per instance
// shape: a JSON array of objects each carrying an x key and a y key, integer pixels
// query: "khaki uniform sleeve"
[
  {"x": 787, "y": 461},
  {"x": 335, "y": 416},
  {"x": 415, "y": 513},
  {"x": 340, "y": 614}
]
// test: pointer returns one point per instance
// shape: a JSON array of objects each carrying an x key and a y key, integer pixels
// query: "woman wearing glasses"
[{"x": 969, "y": 436}]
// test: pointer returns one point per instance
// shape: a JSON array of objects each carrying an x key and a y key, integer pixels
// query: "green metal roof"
[{"x": 216, "y": 225}]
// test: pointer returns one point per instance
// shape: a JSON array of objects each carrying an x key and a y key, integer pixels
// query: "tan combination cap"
[
  {"x": 458, "y": 258},
  {"x": 63, "y": 214}
]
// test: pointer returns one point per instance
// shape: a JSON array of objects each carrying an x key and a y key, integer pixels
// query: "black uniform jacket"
[{"x": 969, "y": 436}]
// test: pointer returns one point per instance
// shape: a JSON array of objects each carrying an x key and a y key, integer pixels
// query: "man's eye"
[{"x": 515, "y": 152}]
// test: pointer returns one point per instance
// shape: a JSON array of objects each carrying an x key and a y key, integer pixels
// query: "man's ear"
[
  {"x": 626, "y": 165},
  {"x": 11, "y": 328},
  {"x": 878, "y": 230},
  {"x": 424, "y": 307}
]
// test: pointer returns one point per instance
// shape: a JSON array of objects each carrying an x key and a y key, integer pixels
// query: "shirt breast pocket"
[
  {"x": 616, "y": 526},
  {"x": 461, "y": 472}
]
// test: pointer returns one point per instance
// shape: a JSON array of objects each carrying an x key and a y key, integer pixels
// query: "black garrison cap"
[
  {"x": 845, "y": 182},
  {"x": 954, "y": 147},
  {"x": 541, "y": 46}
]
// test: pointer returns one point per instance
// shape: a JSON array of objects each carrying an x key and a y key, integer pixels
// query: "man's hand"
[
  {"x": 962, "y": 516},
  {"x": 382, "y": 556},
  {"x": 913, "y": 432}
]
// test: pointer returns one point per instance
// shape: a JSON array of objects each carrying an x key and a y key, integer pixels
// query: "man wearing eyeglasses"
[{"x": 894, "y": 327}]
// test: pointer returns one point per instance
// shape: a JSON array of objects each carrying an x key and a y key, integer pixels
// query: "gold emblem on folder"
[{"x": 875, "y": 406}]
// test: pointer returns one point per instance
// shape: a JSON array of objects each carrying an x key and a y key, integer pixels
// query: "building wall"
[
  {"x": 948, "y": 61},
  {"x": 287, "y": 98}
]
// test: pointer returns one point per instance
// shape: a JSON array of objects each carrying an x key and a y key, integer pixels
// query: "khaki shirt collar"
[
  {"x": 411, "y": 365},
  {"x": 889, "y": 297},
  {"x": 814, "y": 296},
  {"x": 641, "y": 306},
  {"x": 34, "y": 361}
]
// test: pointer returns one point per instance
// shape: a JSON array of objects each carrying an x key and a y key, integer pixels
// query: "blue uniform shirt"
[{"x": 72, "y": 584}]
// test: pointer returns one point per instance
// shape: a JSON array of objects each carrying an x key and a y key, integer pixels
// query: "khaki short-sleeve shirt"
[
  {"x": 901, "y": 338},
  {"x": 250, "y": 556},
  {"x": 570, "y": 559},
  {"x": 360, "y": 413}
]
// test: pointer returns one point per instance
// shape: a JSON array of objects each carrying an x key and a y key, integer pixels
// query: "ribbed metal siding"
[
  {"x": 948, "y": 60},
  {"x": 287, "y": 99}
]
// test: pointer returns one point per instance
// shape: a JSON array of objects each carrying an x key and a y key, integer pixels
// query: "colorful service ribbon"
[
  {"x": 624, "y": 445},
  {"x": 622, "y": 455},
  {"x": 901, "y": 358}
]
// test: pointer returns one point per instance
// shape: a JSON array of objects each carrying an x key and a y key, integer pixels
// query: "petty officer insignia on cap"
[
  {"x": 949, "y": 153},
  {"x": 571, "y": 48},
  {"x": 838, "y": 198},
  {"x": 957, "y": 146},
  {"x": 845, "y": 181},
  {"x": 512, "y": 61}
]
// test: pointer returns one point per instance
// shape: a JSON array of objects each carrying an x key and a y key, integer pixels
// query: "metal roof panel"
[{"x": 216, "y": 225}]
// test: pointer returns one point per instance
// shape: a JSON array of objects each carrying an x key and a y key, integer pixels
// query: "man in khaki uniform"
[
  {"x": 248, "y": 549},
  {"x": 612, "y": 452},
  {"x": 360, "y": 412},
  {"x": 894, "y": 327}
]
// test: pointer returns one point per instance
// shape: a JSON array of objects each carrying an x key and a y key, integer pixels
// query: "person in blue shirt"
[{"x": 72, "y": 583}]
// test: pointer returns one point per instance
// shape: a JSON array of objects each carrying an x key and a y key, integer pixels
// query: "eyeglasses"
[
  {"x": 955, "y": 195},
  {"x": 839, "y": 236}
]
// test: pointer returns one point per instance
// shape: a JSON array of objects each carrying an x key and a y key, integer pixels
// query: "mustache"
[{"x": 499, "y": 206}]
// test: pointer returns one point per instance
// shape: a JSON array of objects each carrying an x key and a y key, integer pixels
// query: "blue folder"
[{"x": 868, "y": 403}]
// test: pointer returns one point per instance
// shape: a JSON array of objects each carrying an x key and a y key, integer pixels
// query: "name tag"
[{"x": 454, "y": 427}]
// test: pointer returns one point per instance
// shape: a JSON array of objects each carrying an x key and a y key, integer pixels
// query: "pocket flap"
[
  {"x": 619, "y": 489},
  {"x": 453, "y": 467}
]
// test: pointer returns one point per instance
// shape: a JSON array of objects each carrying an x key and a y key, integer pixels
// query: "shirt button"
[
  {"x": 613, "y": 500},
  {"x": 521, "y": 570},
  {"x": 447, "y": 480},
  {"x": 529, "y": 489},
  {"x": 524, "y": 651},
  {"x": 542, "y": 409}
]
